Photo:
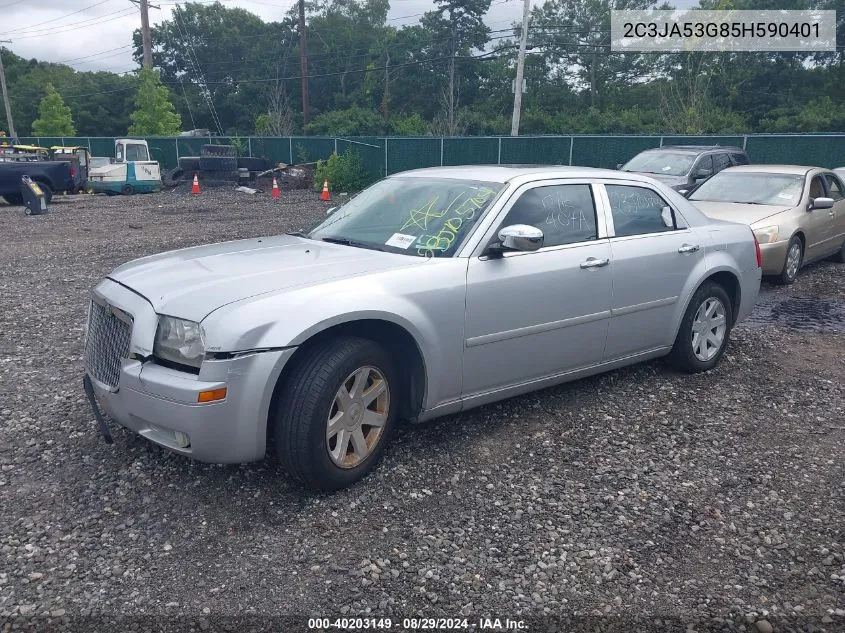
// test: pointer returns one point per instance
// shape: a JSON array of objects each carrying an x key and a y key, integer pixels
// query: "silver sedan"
[{"x": 431, "y": 292}]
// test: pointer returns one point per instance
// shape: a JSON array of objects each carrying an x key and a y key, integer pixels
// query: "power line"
[
  {"x": 61, "y": 17},
  {"x": 73, "y": 59},
  {"x": 75, "y": 25}
]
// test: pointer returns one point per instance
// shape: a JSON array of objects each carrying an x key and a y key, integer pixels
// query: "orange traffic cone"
[
  {"x": 195, "y": 188},
  {"x": 325, "y": 195},
  {"x": 276, "y": 193}
]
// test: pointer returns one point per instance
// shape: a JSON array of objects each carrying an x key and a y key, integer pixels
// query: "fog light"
[
  {"x": 212, "y": 395},
  {"x": 182, "y": 439}
]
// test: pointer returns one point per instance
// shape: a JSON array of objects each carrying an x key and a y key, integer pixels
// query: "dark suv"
[{"x": 684, "y": 167}]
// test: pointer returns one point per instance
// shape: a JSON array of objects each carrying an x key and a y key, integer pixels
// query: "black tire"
[
  {"x": 127, "y": 190},
  {"x": 306, "y": 401},
  {"x": 786, "y": 277},
  {"x": 218, "y": 163},
  {"x": 189, "y": 163},
  {"x": 683, "y": 356},
  {"x": 173, "y": 177},
  {"x": 839, "y": 256},
  {"x": 253, "y": 164},
  {"x": 227, "y": 151},
  {"x": 15, "y": 199}
]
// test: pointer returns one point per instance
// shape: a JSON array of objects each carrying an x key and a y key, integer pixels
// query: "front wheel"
[
  {"x": 336, "y": 412},
  {"x": 792, "y": 263},
  {"x": 839, "y": 256},
  {"x": 705, "y": 330}
]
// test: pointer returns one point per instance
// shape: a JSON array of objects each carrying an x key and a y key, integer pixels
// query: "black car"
[{"x": 684, "y": 167}]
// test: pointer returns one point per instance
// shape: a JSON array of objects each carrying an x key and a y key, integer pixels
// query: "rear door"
[{"x": 654, "y": 253}]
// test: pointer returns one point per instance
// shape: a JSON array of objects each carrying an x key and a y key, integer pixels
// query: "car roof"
[
  {"x": 798, "y": 170},
  {"x": 507, "y": 173},
  {"x": 696, "y": 148}
]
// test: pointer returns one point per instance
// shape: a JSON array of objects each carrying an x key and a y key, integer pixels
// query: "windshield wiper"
[
  {"x": 296, "y": 234},
  {"x": 347, "y": 242}
]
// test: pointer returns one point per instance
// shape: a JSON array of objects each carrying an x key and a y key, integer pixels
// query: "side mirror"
[
  {"x": 667, "y": 217},
  {"x": 821, "y": 203},
  {"x": 520, "y": 237},
  {"x": 703, "y": 174}
]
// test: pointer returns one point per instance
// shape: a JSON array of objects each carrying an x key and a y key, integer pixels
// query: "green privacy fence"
[{"x": 394, "y": 154}]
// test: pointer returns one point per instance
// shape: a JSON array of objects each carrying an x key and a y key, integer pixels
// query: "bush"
[{"x": 344, "y": 172}]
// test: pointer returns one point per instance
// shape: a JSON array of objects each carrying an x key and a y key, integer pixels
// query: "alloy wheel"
[
  {"x": 708, "y": 329},
  {"x": 357, "y": 417}
]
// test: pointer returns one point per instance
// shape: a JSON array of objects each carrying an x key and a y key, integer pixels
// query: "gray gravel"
[{"x": 712, "y": 501}]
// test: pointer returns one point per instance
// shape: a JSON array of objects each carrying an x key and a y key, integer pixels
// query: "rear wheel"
[
  {"x": 839, "y": 256},
  {"x": 792, "y": 263},
  {"x": 127, "y": 190},
  {"x": 705, "y": 330},
  {"x": 14, "y": 198},
  {"x": 336, "y": 412}
]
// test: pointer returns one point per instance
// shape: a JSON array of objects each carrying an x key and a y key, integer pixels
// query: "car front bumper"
[
  {"x": 161, "y": 404},
  {"x": 774, "y": 257}
]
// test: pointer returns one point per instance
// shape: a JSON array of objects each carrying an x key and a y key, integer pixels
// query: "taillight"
[
  {"x": 759, "y": 254},
  {"x": 72, "y": 171}
]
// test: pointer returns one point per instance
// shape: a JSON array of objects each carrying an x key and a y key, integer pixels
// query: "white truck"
[{"x": 130, "y": 171}]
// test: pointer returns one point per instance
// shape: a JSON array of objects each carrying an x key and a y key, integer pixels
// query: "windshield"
[
  {"x": 425, "y": 217},
  {"x": 752, "y": 188},
  {"x": 667, "y": 163}
]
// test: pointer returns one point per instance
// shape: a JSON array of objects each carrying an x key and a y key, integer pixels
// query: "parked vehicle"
[
  {"x": 431, "y": 292},
  {"x": 51, "y": 177},
  {"x": 684, "y": 167},
  {"x": 79, "y": 160},
  {"x": 23, "y": 152},
  {"x": 797, "y": 213},
  {"x": 840, "y": 171},
  {"x": 130, "y": 172}
]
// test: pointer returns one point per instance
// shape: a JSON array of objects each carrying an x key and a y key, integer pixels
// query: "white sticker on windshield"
[
  {"x": 785, "y": 196},
  {"x": 400, "y": 240}
]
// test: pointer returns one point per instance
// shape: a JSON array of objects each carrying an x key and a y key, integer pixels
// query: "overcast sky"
[{"x": 97, "y": 34}]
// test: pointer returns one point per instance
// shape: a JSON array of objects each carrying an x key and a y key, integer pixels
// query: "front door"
[
  {"x": 535, "y": 314},
  {"x": 836, "y": 190},
  {"x": 819, "y": 224},
  {"x": 654, "y": 254}
]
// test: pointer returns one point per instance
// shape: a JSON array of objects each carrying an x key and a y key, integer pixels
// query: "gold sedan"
[{"x": 797, "y": 213}]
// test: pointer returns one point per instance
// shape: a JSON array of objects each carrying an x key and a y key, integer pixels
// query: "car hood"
[
  {"x": 672, "y": 181},
  {"x": 193, "y": 282},
  {"x": 737, "y": 212}
]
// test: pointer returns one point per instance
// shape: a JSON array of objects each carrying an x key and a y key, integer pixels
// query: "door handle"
[
  {"x": 592, "y": 262},
  {"x": 688, "y": 248}
]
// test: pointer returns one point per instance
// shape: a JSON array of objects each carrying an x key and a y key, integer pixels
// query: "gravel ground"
[{"x": 638, "y": 499}]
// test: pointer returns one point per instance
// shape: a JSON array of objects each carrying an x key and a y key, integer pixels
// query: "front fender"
[{"x": 430, "y": 308}]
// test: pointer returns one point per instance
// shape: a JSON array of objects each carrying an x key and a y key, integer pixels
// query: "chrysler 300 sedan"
[
  {"x": 797, "y": 213},
  {"x": 431, "y": 292}
]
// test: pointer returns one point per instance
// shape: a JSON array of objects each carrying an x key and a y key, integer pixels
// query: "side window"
[
  {"x": 565, "y": 213},
  {"x": 816, "y": 188},
  {"x": 637, "y": 211},
  {"x": 720, "y": 161},
  {"x": 705, "y": 162},
  {"x": 739, "y": 159},
  {"x": 834, "y": 187}
]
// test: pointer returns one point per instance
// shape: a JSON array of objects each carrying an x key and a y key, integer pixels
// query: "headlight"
[
  {"x": 767, "y": 234},
  {"x": 179, "y": 341}
]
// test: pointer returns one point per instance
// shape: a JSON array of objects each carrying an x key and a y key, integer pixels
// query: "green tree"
[
  {"x": 54, "y": 117},
  {"x": 154, "y": 113}
]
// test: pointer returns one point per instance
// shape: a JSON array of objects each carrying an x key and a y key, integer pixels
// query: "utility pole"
[
  {"x": 145, "y": 34},
  {"x": 520, "y": 67},
  {"x": 12, "y": 134},
  {"x": 303, "y": 62}
]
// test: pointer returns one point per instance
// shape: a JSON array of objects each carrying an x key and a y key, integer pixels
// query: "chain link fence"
[{"x": 389, "y": 155}]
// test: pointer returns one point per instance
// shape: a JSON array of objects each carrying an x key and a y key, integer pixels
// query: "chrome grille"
[{"x": 107, "y": 342}]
